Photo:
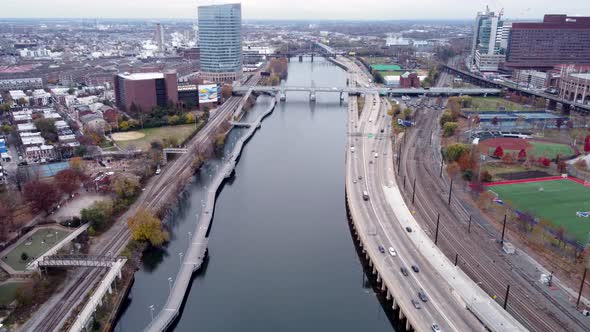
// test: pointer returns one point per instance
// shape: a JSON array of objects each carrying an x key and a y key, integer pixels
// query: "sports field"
[
  {"x": 537, "y": 148},
  {"x": 34, "y": 245},
  {"x": 141, "y": 139},
  {"x": 557, "y": 201}
]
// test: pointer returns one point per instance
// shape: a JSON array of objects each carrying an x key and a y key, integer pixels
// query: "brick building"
[
  {"x": 145, "y": 90},
  {"x": 559, "y": 39}
]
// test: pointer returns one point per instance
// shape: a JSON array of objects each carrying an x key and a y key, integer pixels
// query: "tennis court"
[{"x": 553, "y": 199}]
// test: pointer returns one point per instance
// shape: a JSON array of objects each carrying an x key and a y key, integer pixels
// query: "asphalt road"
[
  {"x": 380, "y": 222},
  {"x": 479, "y": 254}
]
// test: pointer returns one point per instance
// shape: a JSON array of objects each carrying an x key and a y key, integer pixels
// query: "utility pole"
[
  {"x": 456, "y": 258},
  {"x": 436, "y": 235},
  {"x": 506, "y": 298},
  {"x": 503, "y": 230},
  {"x": 450, "y": 191},
  {"x": 441, "y": 168},
  {"x": 581, "y": 287},
  {"x": 469, "y": 226},
  {"x": 404, "y": 182},
  {"x": 399, "y": 159},
  {"x": 414, "y": 191}
]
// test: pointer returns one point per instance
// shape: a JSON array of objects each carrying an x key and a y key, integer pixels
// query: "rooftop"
[
  {"x": 142, "y": 76},
  {"x": 385, "y": 67},
  {"x": 584, "y": 76}
]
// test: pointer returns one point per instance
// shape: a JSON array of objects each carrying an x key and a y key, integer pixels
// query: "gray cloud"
[{"x": 292, "y": 9}]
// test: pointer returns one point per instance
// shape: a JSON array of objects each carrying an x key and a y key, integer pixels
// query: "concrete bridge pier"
[
  {"x": 341, "y": 95},
  {"x": 388, "y": 295},
  {"x": 312, "y": 96},
  {"x": 311, "y": 57},
  {"x": 408, "y": 326},
  {"x": 379, "y": 280},
  {"x": 383, "y": 287},
  {"x": 283, "y": 96},
  {"x": 401, "y": 314},
  {"x": 301, "y": 58}
]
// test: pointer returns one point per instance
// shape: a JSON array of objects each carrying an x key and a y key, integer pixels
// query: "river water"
[{"x": 281, "y": 256}]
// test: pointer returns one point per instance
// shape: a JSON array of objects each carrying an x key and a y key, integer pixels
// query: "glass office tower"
[{"x": 220, "y": 42}]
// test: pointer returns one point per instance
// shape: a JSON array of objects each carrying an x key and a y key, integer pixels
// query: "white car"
[{"x": 392, "y": 252}]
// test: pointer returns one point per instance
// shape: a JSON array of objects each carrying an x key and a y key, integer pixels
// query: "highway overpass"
[{"x": 553, "y": 100}]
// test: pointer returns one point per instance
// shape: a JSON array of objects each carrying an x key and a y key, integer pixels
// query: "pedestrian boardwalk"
[{"x": 196, "y": 252}]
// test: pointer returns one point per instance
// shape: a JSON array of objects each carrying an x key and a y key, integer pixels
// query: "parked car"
[
  {"x": 409, "y": 229},
  {"x": 381, "y": 249},
  {"x": 436, "y": 328},
  {"x": 415, "y": 268}
]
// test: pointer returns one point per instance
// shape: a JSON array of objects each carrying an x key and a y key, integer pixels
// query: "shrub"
[
  {"x": 454, "y": 151},
  {"x": 449, "y": 128}
]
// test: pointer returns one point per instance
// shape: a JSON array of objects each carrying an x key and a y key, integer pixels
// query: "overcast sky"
[{"x": 292, "y": 9}]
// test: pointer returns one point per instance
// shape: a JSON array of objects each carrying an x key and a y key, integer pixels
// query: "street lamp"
[
  {"x": 170, "y": 284},
  {"x": 180, "y": 255},
  {"x": 152, "y": 311}
]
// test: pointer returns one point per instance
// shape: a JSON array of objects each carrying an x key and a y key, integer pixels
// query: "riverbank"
[{"x": 197, "y": 250}]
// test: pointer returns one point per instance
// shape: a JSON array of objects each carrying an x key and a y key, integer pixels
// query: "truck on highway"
[
  {"x": 376, "y": 155},
  {"x": 365, "y": 195}
]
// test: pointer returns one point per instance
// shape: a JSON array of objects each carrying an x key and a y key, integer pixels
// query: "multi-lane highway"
[
  {"x": 479, "y": 254},
  {"x": 382, "y": 219}
]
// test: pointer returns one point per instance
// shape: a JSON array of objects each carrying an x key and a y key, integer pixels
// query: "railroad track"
[
  {"x": 419, "y": 162},
  {"x": 158, "y": 191}
]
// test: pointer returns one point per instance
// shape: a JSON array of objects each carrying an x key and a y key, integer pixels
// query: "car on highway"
[
  {"x": 392, "y": 252},
  {"x": 422, "y": 296},
  {"x": 158, "y": 171},
  {"x": 381, "y": 249},
  {"x": 415, "y": 268},
  {"x": 409, "y": 229},
  {"x": 416, "y": 304},
  {"x": 436, "y": 328},
  {"x": 360, "y": 177},
  {"x": 365, "y": 195},
  {"x": 352, "y": 149},
  {"x": 354, "y": 181},
  {"x": 404, "y": 271}
]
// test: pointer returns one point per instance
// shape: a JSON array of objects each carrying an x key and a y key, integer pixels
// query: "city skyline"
[{"x": 268, "y": 9}]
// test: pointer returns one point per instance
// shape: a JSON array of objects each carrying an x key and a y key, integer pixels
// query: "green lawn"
[
  {"x": 34, "y": 246},
  {"x": 491, "y": 104},
  {"x": 8, "y": 292},
  {"x": 558, "y": 202},
  {"x": 542, "y": 149},
  {"x": 179, "y": 133}
]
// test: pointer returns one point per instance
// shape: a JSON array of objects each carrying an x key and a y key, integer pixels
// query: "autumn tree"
[
  {"x": 99, "y": 215},
  {"x": 587, "y": 144},
  {"x": 146, "y": 227},
  {"x": 522, "y": 155},
  {"x": 499, "y": 152},
  {"x": 544, "y": 161},
  {"x": 41, "y": 195},
  {"x": 226, "y": 91},
  {"x": 67, "y": 181},
  {"x": 126, "y": 188},
  {"x": 562, "y": 167},
  {"x": 77, "y": 165}
]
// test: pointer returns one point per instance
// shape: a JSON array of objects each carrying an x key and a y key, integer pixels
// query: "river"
[{"x": 281, "y": 256}]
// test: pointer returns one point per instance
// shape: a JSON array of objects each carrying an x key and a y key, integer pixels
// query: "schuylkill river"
[{"x": 281, "y": 254}]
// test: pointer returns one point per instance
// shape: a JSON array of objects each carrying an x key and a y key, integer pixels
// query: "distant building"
[
  {"x": 160, "y": 37},
  {"x": 532, "y": 79},
  {"x": 21, "y": 83},
  {"x": 489, "y": 41},
  {"x": 145, "y": 90},
  {"x": 188, "y": 95},
  {"x": 575, "y": 87},
  {"x": 559, "y": 39},
  {"x": 220, "y": 42},
  {"x": 409, "y": 80}
]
